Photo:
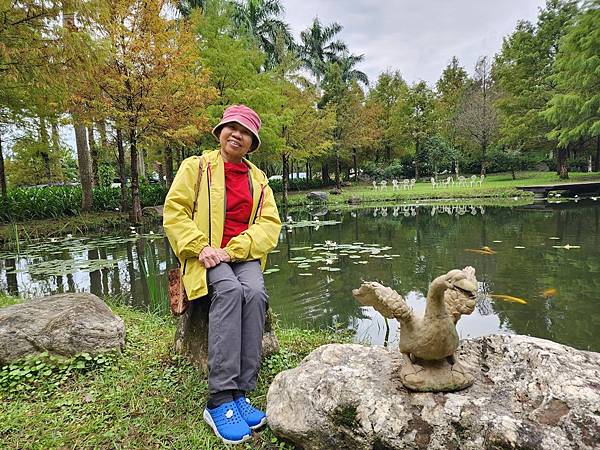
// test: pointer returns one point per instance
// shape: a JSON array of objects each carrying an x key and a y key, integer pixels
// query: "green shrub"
[
  {"x": 374, "y": 170},
  {"x": 152, "y": 194},
  {"x": 59, "y": 201},
  {"x": 106, "y": 174},
  {"x": 41, "y": 203},
  {"x": 579, "y": 164},
  {"x": 105, "y": 198}
]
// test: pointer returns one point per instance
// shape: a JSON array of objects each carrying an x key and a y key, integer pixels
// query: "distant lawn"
[
  {"x": 496, "y": 186},
  {"x": 527, "y": 178}
]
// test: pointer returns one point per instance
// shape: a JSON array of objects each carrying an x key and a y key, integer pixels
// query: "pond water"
[{"x": 548, "y": 255}]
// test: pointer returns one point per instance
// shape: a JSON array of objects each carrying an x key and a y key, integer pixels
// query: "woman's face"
[{"x": 236, "y": 141}]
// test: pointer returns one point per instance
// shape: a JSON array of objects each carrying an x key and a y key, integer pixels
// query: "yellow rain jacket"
[{"x": 188, "y": 238}]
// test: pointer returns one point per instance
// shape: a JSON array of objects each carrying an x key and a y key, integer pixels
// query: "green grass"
[
  {"x": 145, "y": 398},
  {"x": 496, "y": 186}
]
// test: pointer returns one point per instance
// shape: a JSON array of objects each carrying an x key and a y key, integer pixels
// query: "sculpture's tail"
[{"x": 384, "y": 299}]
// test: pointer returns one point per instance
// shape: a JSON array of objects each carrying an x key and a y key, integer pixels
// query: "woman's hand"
[{"x": 210, "y": 256}]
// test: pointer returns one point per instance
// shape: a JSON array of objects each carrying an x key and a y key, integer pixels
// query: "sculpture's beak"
[{"x": 466, "y": 285}]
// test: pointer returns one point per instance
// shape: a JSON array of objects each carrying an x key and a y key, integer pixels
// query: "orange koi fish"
[
  {"x": 508, "y": 298},
  {"x": 481, "y": 251},
  {"x": 546, "y": 293}
]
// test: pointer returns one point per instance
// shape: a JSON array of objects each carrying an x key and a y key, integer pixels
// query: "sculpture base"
[{"x": 434, "y": 376}]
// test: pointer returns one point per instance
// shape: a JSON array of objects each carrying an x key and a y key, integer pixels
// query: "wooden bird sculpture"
[{"x": 428, "y": 343}]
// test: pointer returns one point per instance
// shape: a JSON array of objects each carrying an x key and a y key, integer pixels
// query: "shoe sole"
[
  {"x": 208, "y": 419},
  {"x": 259, "y": 425}
]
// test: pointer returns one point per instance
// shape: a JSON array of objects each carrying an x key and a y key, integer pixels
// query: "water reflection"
[
  {"x": 323, "y": 254},
  {"x": 413, "y": 210},
  {"x": 431, "y": 240}
]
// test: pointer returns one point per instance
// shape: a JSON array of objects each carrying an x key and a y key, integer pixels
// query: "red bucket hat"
[{"x": 246, "y": 117}]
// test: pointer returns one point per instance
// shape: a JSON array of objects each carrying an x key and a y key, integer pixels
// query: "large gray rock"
[
  {"x": 63, "y": 324},
  {"x": 528, "y": 394},
  {"x": 317, "y": 196}
]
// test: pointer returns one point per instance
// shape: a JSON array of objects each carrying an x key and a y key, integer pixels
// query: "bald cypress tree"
[{"x": 574, "y": 111}]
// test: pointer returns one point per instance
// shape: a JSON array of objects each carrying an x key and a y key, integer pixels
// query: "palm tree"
[
  {"x": 318, "y": 47},
  {"x": 349, "y": 74},
  {"x": 261, "y": 18}
]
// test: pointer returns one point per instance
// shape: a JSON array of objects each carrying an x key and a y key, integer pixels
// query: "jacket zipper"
[
  {"x": 259, "y": 206},
  {"x": 208, "y": 181}
]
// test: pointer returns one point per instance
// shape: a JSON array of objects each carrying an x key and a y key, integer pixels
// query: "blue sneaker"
[
  {"x": 227, "y": 423},
  {"x": 255, "y": 418}
]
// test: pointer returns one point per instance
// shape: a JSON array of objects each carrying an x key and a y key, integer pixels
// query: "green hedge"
[{"x": 59, "y": 201}]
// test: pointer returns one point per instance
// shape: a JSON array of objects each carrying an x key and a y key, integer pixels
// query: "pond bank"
[
  {"x": 74, "y": 225},
  {"x": 147, "y": 397},
  {"x": 364, "y": 195},
  {"x": 350, "y": 198}
]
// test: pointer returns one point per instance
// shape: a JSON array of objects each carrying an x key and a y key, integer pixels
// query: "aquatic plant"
[{"x": 153, "y": 279}]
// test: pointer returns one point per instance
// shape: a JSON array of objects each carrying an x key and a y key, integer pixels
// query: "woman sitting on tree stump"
[{"x": 223, "y": 251}]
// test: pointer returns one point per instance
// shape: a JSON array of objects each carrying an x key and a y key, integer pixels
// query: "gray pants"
[{"x": 235, "y": 325}]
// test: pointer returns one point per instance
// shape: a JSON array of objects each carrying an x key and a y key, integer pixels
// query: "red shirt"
[{"x": 239, "y": 201}]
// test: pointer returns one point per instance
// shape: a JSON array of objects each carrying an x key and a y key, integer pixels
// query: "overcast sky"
[{"x": 416, "y": 37}]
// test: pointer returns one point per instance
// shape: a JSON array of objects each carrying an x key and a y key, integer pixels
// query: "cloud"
[{"x": 416, "y": 37}]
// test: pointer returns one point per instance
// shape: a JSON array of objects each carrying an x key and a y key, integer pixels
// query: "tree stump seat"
[{"x": 191, "y": 336}]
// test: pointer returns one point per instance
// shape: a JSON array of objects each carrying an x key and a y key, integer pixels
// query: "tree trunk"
[
  {"x": 161, "y": 173},
  {"x": 45, "y": 152},
  {"x": 93, "y": 155},
  {"x": 121, "y": 164},
  {"x": 417, "y": 150},
  {"x": 83, "y": 153},
  {"x": 103, "y": 137},
  {"x": 597, "y": 162},
  {"x": 325, "y": 173},
  {"x": 483, "y": 151},
  {"x": 169, "y": 165},
  {"x": 55, "y": 136},
  {"x": 191, "y": 337},
  {"x": 3, "y": 189},
  {"x": 136, "y": 207},
  {"x": 83, "y": 160},
  {"x": 285, "y": 181},
  {"x": 354, "y": 165},
  {"x": 338, "y": 184},
  {"x": 306, "y": 169},
  {"x": 563, "y": 168},
  {"x": 141, "y": 164}
]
